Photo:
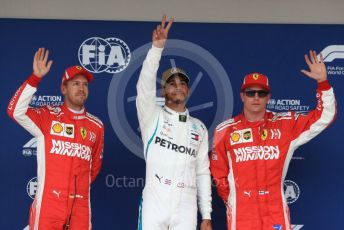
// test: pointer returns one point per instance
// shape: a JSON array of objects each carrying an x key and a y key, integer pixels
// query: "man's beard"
[
  {"x": 177, "y": 101},
  {"x": 77, "y": 101}
]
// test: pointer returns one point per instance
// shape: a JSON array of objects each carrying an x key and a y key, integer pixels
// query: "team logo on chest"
[
  {"x": 264, "y": 134},
  {"x": 275, "y": 134},
  {"x": 62, "y": 129},
  {"x": 83, "y": 132},
  {"x": 241, "y": 136}
]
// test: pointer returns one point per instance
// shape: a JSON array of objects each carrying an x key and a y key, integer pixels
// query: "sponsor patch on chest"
[
  {"x": 241, "y": 136},
  {"x": 174, "y": 147},
  {"x": 195, "y": 138},
  {"x": 253, "y": 153},
  {"x": 70, "y": 149},
  {"x": 62, "y": 129}
]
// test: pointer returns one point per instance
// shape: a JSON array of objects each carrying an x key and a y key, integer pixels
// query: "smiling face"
[
  {"x": 176, "y": 90},
  {"x": 75, "y": 92},
  {"x": 255, "y": 100}
]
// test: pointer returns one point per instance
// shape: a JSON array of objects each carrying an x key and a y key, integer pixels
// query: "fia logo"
[
  {"x": 291, "y": 191},
  {"x": 97, "y": 55},
  {"x": 31, "y": 187},
  {"x": 30, "y": 148}
]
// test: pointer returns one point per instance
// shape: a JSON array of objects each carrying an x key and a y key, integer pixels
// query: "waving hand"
[
  {"x": 317, "y": 68},
  {"x": 41, "y": 65}
]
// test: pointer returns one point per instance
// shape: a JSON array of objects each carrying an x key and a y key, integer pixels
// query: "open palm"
[
  {"x": 41, "y": 66},
  {"x": 317, "y": 68}
]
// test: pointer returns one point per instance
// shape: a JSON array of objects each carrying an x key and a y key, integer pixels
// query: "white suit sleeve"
[
  {"x": 146, "y": 88},
  {"x": 203, "y": 179},
  {"x": 31, "y": 119}
]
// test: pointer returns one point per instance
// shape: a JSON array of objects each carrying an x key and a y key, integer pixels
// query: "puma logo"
[
  {"x": 159, "y": 178},
  {"x": 248, "y": 193},
  {"x": 57, "y": 193}
]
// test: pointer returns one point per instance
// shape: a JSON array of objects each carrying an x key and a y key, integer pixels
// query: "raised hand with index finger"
[{"x": 160, "y": 34}]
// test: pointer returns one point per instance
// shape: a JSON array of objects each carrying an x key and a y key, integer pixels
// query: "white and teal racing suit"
[{"x": 176, "y": 154}]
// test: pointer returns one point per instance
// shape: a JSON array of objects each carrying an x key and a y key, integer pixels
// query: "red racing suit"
[
  {"x": 250, "y": 160},
  {"x": 69, "y": 157}
]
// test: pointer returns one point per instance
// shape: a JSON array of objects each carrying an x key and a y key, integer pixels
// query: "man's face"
[
  {"x": 176, "y": 90},
  {"x": 75, "y": 91},
  {"x": 255, "y": 99}
]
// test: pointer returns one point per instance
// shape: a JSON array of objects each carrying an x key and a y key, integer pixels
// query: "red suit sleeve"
[
  {"x": 97, "y": 154},
  {"x": 219, "y": 165}
]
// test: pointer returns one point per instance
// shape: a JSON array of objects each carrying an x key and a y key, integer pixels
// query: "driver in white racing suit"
[{"x": 175, "y": 148}]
